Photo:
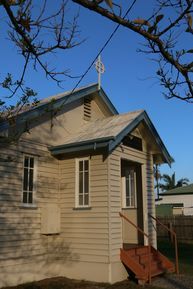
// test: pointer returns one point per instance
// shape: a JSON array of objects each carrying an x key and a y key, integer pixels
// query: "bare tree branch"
[
  {"x": 162, "y": 42},
  {"x": 27, "y": 32}
]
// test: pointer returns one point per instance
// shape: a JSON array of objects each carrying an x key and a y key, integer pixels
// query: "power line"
[{"x": 103, "y": 47}]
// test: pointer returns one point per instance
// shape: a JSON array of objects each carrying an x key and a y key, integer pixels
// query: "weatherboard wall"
[
  {"x": 115, "y": 205},
  {"x": 81, "y": 249},
  {"x": 22, "y": 245},
  {"x": 86, "y": 229},
  {"x": 52, "y": 129}
]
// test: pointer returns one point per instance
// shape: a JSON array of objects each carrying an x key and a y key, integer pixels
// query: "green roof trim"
[
  {"x": 111, "y": 142},
  {"x": 143, "y": 117},
  {"x": 185, "y": 190},
  {"x": 59, "y": 100},
  {"x": 81, "y": 146}
]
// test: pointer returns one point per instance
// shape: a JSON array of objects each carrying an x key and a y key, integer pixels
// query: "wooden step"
[{"x": 137, "y": 261}]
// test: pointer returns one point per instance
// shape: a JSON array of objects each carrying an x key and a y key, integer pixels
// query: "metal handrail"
[
  {"x": 175, "y": 241},
  {"x": 149, "y": 244}
]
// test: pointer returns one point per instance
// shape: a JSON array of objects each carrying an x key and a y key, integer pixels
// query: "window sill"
[
  {"x": 28, "y": 206},
  {"x": 129, "y": 208},
  {"x": 82, "y": 208}
]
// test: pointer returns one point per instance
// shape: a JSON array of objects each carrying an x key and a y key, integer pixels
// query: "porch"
[
  {"x": 138, "y": 253},
  {"x": 145, "y": 262}
]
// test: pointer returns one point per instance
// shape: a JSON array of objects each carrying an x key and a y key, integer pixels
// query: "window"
[
  {"x": 133, "y": 142},
  {"x": 82, "y": 183},
  {"x": 129, "y": 189},
  {"x": 28, "y": 180}
]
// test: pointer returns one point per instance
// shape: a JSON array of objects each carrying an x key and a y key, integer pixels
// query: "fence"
[{"x": 182, "y": 225}]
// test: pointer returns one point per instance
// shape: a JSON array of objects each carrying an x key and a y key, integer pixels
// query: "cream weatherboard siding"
[
  {"x": 53, "y": 131},
  {"x": 81, "y": 250},
  {"x": 86, "y": 230},
  {"x": 115, "y": 194},
  {"x": 88, "y": 240},
  {"x": 151, "y": 200},
  {"x": 23, "y": 249}
]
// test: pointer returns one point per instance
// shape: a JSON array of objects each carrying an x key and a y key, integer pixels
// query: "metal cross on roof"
[{"x": 100, "y": 68}]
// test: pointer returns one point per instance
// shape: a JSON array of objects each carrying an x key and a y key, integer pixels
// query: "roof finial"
[{"x": 100, "y": 68}]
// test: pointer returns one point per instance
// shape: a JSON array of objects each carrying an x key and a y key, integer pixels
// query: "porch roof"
[{"x": 108, "y": 133}]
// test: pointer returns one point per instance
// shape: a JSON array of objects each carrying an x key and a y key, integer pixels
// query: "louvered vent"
[{"x": 87, "y": 109}]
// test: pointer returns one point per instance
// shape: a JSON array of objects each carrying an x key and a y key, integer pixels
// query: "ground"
[
  {"x": 65, "y": 283},
  {"x": 168, "y": 281},
  {"x": 172, "y": 281}
]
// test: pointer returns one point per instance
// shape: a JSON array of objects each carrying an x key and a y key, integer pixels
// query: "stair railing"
[
  {"x": 175, "y": 241},
  {"x": 149, "y": 243}
]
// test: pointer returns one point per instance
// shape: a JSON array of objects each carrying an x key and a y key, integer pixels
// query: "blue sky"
[{"x": 129, "y": 81}]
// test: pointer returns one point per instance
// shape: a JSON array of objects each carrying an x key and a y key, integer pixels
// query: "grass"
[{"x": 185, "y": 252}]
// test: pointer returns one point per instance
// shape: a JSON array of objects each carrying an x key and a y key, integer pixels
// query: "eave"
[
  {"x": 42, "y": 108},
  {"x": 91, "y": 145},
  {"x": 113, "y": 141}
]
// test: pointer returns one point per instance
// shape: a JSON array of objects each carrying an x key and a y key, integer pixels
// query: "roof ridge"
[
  {"x": 64, "y": 93},
  {"x": 57, "y": 96},
  {"x": 116, "y": 116}
]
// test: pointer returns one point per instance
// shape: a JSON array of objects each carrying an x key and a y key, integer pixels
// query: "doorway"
[{"x": 132, "y": 202}]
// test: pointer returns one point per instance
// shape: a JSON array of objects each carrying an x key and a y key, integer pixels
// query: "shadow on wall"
[{"x": 25, "y": 253}]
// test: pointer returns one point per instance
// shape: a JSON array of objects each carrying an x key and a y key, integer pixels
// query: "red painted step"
[{"x": 137, "y": 261}]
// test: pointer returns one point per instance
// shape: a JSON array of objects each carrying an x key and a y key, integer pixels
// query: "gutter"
[{"x": 93, "y": 144}]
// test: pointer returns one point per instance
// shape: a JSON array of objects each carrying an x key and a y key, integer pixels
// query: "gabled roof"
[
  {"x": 58, "y": 101},
  {"x": 185, "y": 190},
  {"x": 109, "y": 132}
]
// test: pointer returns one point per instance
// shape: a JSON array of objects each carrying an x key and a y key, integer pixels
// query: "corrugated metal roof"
[
  {"x": 179, "y": 191},
  {"x": 103, "y": 128},
  {"x": 57, "y": 102},
  {"x": 109, "y": 132}
]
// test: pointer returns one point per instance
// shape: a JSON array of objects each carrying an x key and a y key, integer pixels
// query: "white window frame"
[
  {"x": 33, "y": 204},
  {"x": 77, "y": 205},
  {"x": 124, "y": 203}
]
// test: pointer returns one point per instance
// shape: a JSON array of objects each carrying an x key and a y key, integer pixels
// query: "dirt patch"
[{"x": 65, "y": 283}]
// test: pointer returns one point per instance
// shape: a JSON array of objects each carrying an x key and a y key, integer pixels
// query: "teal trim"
[
  {"x": 124, "y": 132},
  {"x": 107, "y": 101},
  {"x": 40, "y": 109},
  {"x": 153, "y": 130},
  {"x": 142, "y": 117},
  {"x": 81, "y": 146},
  {"x": 113, "y": 142}
]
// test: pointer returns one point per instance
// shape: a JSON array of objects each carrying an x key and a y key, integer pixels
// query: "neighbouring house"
[
  {"x": 180, "y": 200},
  {"x": 77, "y": 164}
]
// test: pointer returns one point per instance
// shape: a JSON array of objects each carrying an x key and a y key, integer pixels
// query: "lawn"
[{"x": 185, "y": 251}]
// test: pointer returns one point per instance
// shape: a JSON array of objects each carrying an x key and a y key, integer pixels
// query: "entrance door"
[{"x": 131, "y": 201}]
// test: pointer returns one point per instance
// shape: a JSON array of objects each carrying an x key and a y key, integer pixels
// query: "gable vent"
[{"x": 87, "y": 108}]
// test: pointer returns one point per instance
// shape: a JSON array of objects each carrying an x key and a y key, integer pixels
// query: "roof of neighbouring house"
[
  {"x": 109, "y": 132},
  {"x": 185, "y": 190}
]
